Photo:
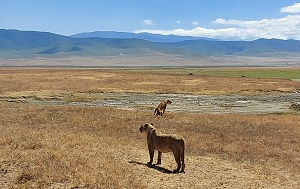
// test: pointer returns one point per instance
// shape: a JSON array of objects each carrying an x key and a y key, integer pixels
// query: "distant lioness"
[
  {"x": 161, "y": 108},
  {"x": 164, "y": 143}
]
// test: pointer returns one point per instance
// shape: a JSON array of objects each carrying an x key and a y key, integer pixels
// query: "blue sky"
[{"x": 223, "y": 19}]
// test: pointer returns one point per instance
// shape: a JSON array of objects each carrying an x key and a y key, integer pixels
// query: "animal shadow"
[{"x": 153, "y": 166}]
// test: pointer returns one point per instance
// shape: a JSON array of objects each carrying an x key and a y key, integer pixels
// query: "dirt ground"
[{"x": 210, "y": 172}]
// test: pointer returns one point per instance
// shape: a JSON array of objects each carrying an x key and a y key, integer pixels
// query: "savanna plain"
[{"x": 62, "y": 145}]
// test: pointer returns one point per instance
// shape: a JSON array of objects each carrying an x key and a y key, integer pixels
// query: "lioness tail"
[{"x": 182, "y": 156}]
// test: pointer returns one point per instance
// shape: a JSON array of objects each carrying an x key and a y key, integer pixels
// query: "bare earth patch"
[
  {"x": 218, "y": 104},
  {"x": 211, "y": 172}
]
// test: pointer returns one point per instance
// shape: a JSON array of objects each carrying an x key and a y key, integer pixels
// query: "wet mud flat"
[{"x": 217, "y": 104}]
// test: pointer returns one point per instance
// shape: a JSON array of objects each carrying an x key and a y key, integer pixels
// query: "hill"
[
  {"x": 20, "y": 44},
  {"x": 144, "y": 36},
  {"x": 257, "y": 47}
]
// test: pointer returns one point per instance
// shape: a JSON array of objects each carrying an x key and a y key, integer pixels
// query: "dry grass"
[
  {"x": 90, "y": 147},
  {"x": 44, "y": 146},
  {"x": 93, "y": 147},
  {"x": 15, "y": 81}
]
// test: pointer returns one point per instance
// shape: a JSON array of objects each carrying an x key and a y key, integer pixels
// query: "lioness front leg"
[
  {"x": 159, "y": 158},
  {"x": 151, "y": 154}
]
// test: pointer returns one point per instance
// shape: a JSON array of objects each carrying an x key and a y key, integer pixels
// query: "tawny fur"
[
  {"x": 161, "y": 108},
  {"x": 164, "y": 143}
]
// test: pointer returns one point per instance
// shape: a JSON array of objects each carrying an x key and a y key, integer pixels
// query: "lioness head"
[
  {"x": 146, "y": 127},
  {"x": 168, "y": 101}
]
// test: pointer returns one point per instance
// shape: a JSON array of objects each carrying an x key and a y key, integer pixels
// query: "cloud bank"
[
  {"x": 287, "y": 27},
  {"x": 291, "y": 9}
]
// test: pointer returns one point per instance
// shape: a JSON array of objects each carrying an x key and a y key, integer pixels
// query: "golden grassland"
[
  {"x": 92, "y": 147},
  {"x": 56, "y": 146},
  {"x": 16, "y": 81}
]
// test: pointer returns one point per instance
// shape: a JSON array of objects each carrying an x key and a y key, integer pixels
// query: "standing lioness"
[
  {"x": 164, "y": 143},
  {"x": 161, "y": 108}
]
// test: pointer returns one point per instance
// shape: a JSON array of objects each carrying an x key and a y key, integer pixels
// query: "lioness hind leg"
[
  {"x": 182, "y": 168},
  {"x": 177, "y": 159},
  {"x": 159, "y": 158},
  {"x": 182, "y": 160}
]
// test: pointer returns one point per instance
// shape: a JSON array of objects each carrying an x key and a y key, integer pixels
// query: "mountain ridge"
[
  {"x": 18, "y": 44},
  {"x": 144, "y": 36}
]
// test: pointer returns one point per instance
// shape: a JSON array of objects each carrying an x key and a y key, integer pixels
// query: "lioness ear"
[{"x": 151, "y": 130}]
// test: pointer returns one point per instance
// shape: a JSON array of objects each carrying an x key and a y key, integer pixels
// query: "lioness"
[
  {"x": 164, "y": 143},
  {"x": 161, "y": 108}
]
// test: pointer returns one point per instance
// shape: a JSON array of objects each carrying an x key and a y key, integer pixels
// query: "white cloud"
[
  {"x": 287, "y": 27},
  {"x": 148, "y": 22},
  {"x": 281, "y": 28},
  {"x": 178, "y": 22},
  {"x": 291, "y": 9},
  {"x": 195, "y": 23},
  {"x": 229, "y": 22}
]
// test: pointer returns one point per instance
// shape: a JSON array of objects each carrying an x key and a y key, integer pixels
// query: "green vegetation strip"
[{"x": 267, "y": 73}]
